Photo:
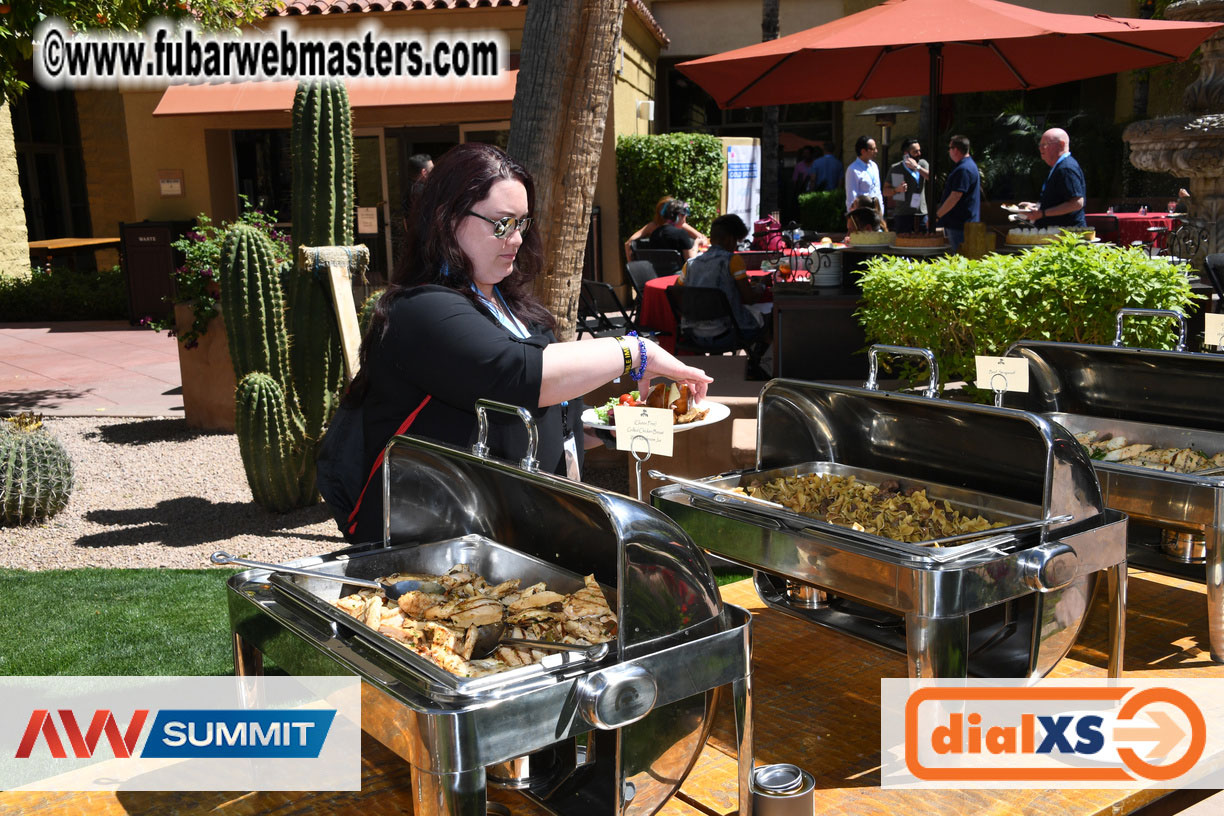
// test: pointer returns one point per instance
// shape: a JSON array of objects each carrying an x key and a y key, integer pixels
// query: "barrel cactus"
[{"x": 35, "y": 472}]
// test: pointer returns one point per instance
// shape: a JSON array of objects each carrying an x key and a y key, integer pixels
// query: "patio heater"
[{"x": 885, "y": 118}]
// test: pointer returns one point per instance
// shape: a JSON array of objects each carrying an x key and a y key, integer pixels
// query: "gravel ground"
[{"x": 152, "y": 492}]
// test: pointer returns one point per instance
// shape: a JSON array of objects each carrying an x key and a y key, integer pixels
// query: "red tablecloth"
[
  {"x": 656, "y": 312},
  {"x": 1133, "y": 226}
]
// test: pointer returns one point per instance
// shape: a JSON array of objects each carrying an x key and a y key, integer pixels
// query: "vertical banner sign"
[{"x": 744, "y": 181}]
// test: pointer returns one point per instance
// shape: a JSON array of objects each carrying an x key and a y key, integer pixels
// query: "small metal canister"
[{"x": 783, "y": 790}]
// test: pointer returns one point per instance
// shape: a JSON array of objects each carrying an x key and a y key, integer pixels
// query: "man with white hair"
[{"x": 1063, "y": 194}]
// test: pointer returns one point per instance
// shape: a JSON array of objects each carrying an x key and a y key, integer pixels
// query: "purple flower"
[
  {"x": 146, "y": 320},
  {"x": 206, "y": 273},
  {"x": 195, "y": 236}
]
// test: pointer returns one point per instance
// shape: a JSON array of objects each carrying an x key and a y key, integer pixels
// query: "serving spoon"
[{"x": 393, "y": 591}]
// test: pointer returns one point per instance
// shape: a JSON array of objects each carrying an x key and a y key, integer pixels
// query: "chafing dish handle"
[
  {"x": 529, "y": 462},
  {"x": 872, "y": 384},
  {"x": 1049, "y": 567},
  {"x": 1178, "y": 316},
  {"x": 617, "y": 696}
]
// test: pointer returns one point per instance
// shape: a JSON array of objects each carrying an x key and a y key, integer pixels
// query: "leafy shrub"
[
  {"x": 64, "y": 294},
  {"x": 823, "y": 211},
  {"x": 1066, "y": 291},
  {"x": 688, "y": 166},
  {"x": 195, "y": 282}
]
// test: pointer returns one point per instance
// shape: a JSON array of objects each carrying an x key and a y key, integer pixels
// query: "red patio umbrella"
[
  {"x": 914, "y": 47},
  {"x": 892, "y": 50}
]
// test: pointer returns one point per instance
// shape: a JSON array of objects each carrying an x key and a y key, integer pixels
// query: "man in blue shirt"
[
  {"x": 826, "y": 171},
  {"x": 962, "y": 199},
  {"x": 1064, "y": 191},
  {"x": 863, "y": 175}
]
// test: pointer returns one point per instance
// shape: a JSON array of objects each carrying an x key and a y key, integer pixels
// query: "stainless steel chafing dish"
[
  {"x": 1009, "y": 602},
  {"x": 1168, "y": 399},
  {"x": 614, "y": 736}
]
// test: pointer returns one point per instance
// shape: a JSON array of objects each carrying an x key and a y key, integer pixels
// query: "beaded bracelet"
[
  {"x": 641, "y": 370},
  {"x": 628, "y": 354}
]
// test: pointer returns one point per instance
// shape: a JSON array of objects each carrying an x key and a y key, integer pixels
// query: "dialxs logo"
[
  {"x": 1052, "y": 733},
  {"x": 202, "y": 733}
]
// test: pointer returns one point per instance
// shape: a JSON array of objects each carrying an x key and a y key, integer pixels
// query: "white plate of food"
[
  {"x": 1016, "y": 209},
  {"x": 716, "y": 413}
]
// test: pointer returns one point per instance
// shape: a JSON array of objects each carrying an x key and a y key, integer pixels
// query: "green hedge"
[
  {"x": 688, "y": 166},
  {"x": 1067, "y": 291},
  {"x": 823, "y": 211},
  {"x": 64, "y": 294}
]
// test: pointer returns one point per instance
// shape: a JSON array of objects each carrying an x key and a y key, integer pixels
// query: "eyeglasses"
[{"x": 506, "y": 224}]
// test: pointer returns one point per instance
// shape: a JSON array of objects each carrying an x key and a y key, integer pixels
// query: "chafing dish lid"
[{"x": 1144, "y": 385}]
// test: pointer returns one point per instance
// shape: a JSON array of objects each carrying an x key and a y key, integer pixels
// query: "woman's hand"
[{"x": 662, "y": 363}]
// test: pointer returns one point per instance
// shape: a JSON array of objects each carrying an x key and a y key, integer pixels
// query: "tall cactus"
[
  {"x": 285, "y": 342},
  {"x": 323, "y": 199},
  {"x": 276, "y": 452}
]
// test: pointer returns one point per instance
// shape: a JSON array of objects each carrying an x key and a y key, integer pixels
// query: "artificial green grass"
[
  {"x": 123, "y": 621},
  {"x": 115, "y": 622}
]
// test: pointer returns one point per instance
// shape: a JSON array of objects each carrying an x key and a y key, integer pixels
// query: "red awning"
[{"x": 263, "y": 97}]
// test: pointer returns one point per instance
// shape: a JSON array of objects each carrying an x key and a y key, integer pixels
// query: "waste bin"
[{"x": 148, "y": 263}]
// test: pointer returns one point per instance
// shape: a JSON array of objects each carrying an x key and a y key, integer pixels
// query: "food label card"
[
  {"x": 644, "y": 430},
  {"x": 1213, "y": 335},
  {"x": 1002, "y": 373}
]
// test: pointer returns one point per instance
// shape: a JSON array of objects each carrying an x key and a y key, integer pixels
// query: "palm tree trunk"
[{"x": 557, "y": 132}]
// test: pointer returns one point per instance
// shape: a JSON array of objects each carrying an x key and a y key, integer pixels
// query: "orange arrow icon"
[{"x": 1166, "y": 734}]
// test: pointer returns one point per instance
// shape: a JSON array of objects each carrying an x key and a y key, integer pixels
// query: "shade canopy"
[
  {"x": 985, "y": 45},
  {"x": 257, "y": 97}
]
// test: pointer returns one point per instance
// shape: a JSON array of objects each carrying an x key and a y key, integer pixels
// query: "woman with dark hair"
[
  {"x": 670, "y": 220},
  {"x": 459, "y": 323}
]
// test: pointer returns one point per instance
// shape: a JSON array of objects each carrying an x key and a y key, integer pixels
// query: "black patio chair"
[
  {"x": 664, "y": 261},
  {"x": 1106, "y": 226},
  {"x": 639, "y": 273},
  {"x": 601, "y": 313},
  {"x": 1213, "y": 271},
  {"x": 691, "y": 304}
]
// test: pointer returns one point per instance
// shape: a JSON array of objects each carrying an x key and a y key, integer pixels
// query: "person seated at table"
[
  {"x": 669, "y": 213},
  {"x": 1183, "y": 201},
  {"x": 720, "y": 268},
  {"x": 864, "y": 219},
  {"x": 1064, "y": 191}
]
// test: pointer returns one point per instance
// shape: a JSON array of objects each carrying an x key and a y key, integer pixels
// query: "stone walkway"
[{"x": 95, "y": 368}]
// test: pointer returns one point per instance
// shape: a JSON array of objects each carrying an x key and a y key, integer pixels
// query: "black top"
[
  {"x": 444, "y": 352},
  {"x": 1065, "y": 182},
  {"x": 668, "y": 236}
]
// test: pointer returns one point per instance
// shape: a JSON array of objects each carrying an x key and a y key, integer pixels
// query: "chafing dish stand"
[
  {"x": 616, "y": 736},
  {"x": 1168, "y": 399},
  {"x": 1011, "y": 608}
]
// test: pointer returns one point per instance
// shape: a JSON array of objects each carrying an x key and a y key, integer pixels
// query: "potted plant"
[{"x": 204, "y": 359}]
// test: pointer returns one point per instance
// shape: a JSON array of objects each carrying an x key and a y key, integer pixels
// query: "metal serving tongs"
[
  {"x": 391, "y": 591},
  {"x": 718, "y": 494},
  {"x": 943, "y": 552}
]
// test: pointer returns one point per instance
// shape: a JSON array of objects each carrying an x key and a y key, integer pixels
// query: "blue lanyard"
[
  {"x": 503, "y": 315},
  {"x": 1052, "y": 169}
]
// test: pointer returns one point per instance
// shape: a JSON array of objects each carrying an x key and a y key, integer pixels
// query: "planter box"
[{"x": 207, "y": 373}]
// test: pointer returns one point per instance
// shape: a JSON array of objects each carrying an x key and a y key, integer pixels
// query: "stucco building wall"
[{"x": 14, "y": 254}]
